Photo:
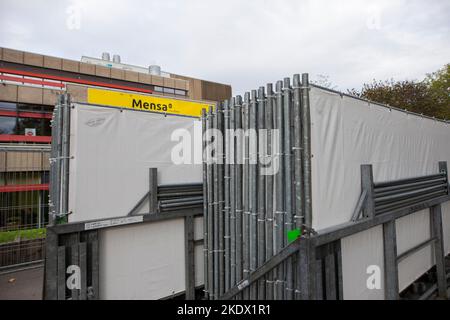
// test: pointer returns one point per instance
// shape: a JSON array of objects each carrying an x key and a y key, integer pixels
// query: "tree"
[{"x": 430, "y": 96}]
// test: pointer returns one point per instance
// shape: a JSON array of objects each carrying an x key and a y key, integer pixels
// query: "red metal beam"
[
  {"x": 25, "y": 114},
  {"x": 32, "y": 81},
  {"x": 24, "y": 138},
  {"x": 74, "y": 80},
  {"x": 23, "y": 187}
]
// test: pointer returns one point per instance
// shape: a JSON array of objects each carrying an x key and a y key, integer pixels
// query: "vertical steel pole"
[
  {"x": 53, "y": 167},
  {"x": 262, "y": 153},
  {"x": 210, "y": 182},
  {"x": 297, "y": 149},
  {"x": 245, "y": 198},
  {"x": 65, "y": 157},
  {"x": 231, "y": 158},
  {"x": 220, "y": 200},
  {"x": 269, "y": 189},
  {"x": 253, "y": 184},
  {"x": 279, "y": 185},
  {"x": 306, "y": 133},
  {"x": 58, "y": 159},
  {"x": 205, "y": 204},
  {"x": 239, "y": 159},
  {"x": 288, "y": 181},
  {"x": 227, "y": 207}
]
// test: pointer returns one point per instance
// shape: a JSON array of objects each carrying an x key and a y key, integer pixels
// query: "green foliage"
[
  {"x": 430, "y": 96},
  {"x": 29, "y": 234}
]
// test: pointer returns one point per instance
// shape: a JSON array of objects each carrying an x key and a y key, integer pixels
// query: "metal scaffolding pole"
[
  {"x": 239, "y": 157},
  {"x": 227, "y": 207},
  {"x": 262, "y": 152},
  {"x": 253, "y": 153},
  {"x": 279, "y": 185},
  {"x": 205, "y": 202},
  {"x": 246, "y": 195},
  {"x": 306, "y": 134},
  {"x": 232, "y": 173},
  {"x": 210, "y": 182},
  {"x": 287, "y": 180},
  {"x": 269, "y": 189}
]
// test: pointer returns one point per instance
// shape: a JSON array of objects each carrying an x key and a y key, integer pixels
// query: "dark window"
[
  {"x": 180, "y": 92},
  {"x": 169, "y": 90},
  {"x": 8, "y": 106},
  {"x": 7, "y": 125}
]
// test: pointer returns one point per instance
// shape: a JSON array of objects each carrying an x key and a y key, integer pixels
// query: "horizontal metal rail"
[{"x": 416, "y": 248}]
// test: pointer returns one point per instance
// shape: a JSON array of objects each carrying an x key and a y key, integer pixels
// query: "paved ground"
[{"x": 22, "y": 285}]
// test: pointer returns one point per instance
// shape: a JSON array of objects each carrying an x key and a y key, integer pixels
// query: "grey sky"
[{"x": 243, "y": 43}]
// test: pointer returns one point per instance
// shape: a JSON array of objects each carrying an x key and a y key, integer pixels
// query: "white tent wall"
[
  {"x": 145, "y": 261},
  {"x": 113, "y": 150},
  {"x": 347, "y": 132}
]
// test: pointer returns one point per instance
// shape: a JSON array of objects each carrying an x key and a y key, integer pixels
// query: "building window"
[
  {"x": 180, "y": 92},
  {"x": 25, "y": 119},
  {"x": 7, "y": 125},
  {"x": 169, "y": 90}
]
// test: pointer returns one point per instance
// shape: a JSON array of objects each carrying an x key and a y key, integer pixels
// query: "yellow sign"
[{"x": 145, "y": 103}]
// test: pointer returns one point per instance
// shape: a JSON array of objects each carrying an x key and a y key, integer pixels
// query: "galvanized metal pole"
[
  {"x": 239, "y": 158},
  {"x": 269, "y": 190},
  {"x": 65, "y": 150},
  {"x": 231, "y": 158},
  {"x": 205, "y": 204},
  {"x": 279, "y": 185},
  {"x": 288, "y": 181},
  {"x": 306, "y": 133},
  {"x": 262, "y": 153},
  {"x": 246, "y": 195},
  {"x": 53, "y": 167},
  {"x": 220, "y": 200},
  {"x": 253, "y": 153},
  {"x": 297, "y": 150},
  {"x": 227, "y": 207},
  {"x": 210, "y": 182}
]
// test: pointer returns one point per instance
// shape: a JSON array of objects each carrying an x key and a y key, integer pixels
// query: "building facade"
[{"x": 29, "y": 86}]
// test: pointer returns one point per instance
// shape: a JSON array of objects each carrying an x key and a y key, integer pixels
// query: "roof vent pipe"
[
  {"x": 116, "y": 58},
  {"x": 105, "y": 56},
  {"x": 154, "y": 70}
]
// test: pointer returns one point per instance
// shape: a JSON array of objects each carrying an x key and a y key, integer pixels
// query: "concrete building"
[{"x": 29, "y": 86}]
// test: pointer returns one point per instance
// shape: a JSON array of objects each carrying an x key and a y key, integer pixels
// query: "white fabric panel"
[
  {"x": 356, "y": 258},
  {"x": 347, "y": 132},
  {"x": 446, "y": 225},
  {"x": 143, "y": 261},
  {"x": 411, "y": 231},
  {"x": 113, "y": 150}
]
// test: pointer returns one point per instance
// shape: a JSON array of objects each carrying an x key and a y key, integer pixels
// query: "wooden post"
[
  {"x": 391, "y": 291},
  {"x": 189, "y": 257},
  {"x": 367, "y": 184},
  {"x": 153, "y": 190}
]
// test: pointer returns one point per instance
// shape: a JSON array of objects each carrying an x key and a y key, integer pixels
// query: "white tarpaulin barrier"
[
  {"x": 347, "y": 132},
  {"x": 113, "y": 150}
]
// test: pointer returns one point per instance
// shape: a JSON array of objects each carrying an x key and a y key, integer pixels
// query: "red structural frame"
[
  {"x": 47, "y": 139},
  {"x": 73, "y": 80},
  {"x": 25, "y": 114},
  {"x": 23, "y": 187},
  {"x": 24, "y": 138},
  {"x": 32, "y": 81}
]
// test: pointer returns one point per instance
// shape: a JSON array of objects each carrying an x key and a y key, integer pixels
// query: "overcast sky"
[{"x": 242, "y": 43}]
